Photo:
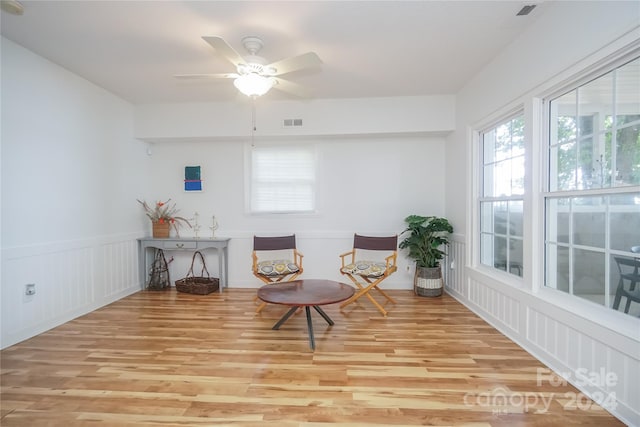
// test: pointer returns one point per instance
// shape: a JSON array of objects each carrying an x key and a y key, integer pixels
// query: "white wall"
[
  {"x": 380, "y": 160},
  {"x": 71, "y": 171},
  {"x": 324, "y": 117},
  {"x": 567, "y": 335},
  {"x": 366, "y": 185}
]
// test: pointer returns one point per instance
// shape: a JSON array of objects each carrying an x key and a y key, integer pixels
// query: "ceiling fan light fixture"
[
  {"x": 12, "y": 6},
  {"x": 253, "y": 84}
]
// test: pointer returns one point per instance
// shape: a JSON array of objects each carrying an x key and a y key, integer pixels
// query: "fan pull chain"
[{"x": 253, "y": 120}]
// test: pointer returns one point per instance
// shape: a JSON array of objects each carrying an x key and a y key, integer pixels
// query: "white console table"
[{"x": 183, "y": 244}]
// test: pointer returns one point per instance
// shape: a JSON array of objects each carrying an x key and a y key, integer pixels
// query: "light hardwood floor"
[{"x": 170, "y": 359}]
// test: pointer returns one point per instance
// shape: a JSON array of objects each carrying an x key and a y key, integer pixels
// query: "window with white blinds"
[{"x": 283, "y": 179}]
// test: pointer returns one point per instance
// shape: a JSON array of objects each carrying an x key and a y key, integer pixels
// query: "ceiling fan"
[{"x": 253, "y": 76}]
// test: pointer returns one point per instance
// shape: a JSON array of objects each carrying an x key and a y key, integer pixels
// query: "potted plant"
[
  {"x": 163, "y": 217},
  {"x": 427, "y": 235}
]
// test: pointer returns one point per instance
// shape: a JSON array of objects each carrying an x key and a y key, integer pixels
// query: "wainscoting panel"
[
  {"x": 71, "y": 278},
  {"x": 496, "y": 304},
  {"x": 601, "y": 363},
  {"x": 454, "y": 264},
  {"x": 596, "y": 367},
  {"x": 120, "y": 264}
]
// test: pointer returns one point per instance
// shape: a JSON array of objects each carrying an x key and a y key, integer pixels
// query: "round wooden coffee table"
[{"x": 305, "y": 293}]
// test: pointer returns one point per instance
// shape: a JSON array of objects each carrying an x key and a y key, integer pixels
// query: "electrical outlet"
[{"x": 30, "y": 289}]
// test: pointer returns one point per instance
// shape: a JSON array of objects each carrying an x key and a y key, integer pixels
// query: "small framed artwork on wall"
[{"x": 192, "y": 178}]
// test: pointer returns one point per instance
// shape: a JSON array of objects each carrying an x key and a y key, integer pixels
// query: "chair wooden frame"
[
  {"x": 278, "y": 243},
  {"x": 367, "y": 283},
  {"x": 629, "y": 269}
]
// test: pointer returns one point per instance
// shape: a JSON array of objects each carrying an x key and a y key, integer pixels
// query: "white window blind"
[{"x": 283, "y": 179}]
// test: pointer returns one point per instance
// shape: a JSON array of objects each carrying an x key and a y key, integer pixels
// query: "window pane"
[
  {"x": 566, "y": 166},
  {"x": 503, "y": 141},
  {"x": 628, "y": 150},
  {"x": 515, "y": 218},
  {"x": 585, "y": 125},
  {"x": 628, "y": 89},
  {"x": 486, "y": 249},
  {"x": 562, "y": 269},
  {"x": 489, "y": 147},
  {"x": 517, "y": 176},
  {"x": 500, "y": 253},
  {"x": 628, "y": 123},
  {"x": 487, "y": 180},
  {"x": 563, "y": 225},
  {"x": 502, "y": 179},
  {"x": 596, "y": 97},
  {"x": 589, "y": 224},
  {"x": 625, "y": 269},
  {"x": 557, "y": 214},
  {"x": 557, "y": 268},
  {"x": 517, "y": 137},
  {"x": 602, "y": 164},
  {"x": 588, "y": 275},
  {"x": 624, "y": 222},
  {"x": 563, "y": 118},
  {"x": 515, "y": 257},
  {"x": 486, "y": 217},
  {"x": 586, "y": 171},
  {"x": 500, "y": 218}
]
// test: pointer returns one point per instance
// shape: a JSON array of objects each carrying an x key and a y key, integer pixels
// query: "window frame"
[
  {"x": 532, "y": 100},
  {"x": 480, "y": 197},
  {"x": 546, "y": 195}
]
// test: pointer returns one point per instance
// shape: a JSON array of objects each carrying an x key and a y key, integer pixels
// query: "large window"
[
  {"x": 592, "y": 206},
  {"x": 501, "y": 199},
  {"x": 282, "y": 179}
]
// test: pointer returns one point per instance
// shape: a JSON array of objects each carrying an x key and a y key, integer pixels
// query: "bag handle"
[{"x": 204, "y": 266}]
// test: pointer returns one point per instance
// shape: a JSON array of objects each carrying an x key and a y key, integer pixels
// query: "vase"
[
  {"x": 161, "y": 230},
  {"x": 428, "y": 282}
]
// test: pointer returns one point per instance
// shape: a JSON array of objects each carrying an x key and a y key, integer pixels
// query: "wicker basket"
[
  {"x": 199, "y": 285},
  {"x": 159, "y": 275},
  {"x": 427, "y": 282}
]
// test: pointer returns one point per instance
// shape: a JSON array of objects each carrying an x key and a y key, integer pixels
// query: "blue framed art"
[{"x": 192, "y": 178}]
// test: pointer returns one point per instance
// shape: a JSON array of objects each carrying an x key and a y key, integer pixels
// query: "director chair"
[
  {"x": 275, "y": 259},
  {"x": 367, "y": 274}
]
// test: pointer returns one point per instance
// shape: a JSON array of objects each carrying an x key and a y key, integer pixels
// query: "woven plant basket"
[
  {"x": 200, "y": 285},
  {"x": 161, "y": 230},
  {"x": 428, "y": 282}
]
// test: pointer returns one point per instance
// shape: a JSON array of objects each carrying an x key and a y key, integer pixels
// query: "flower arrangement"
[{"x": 163, "y": 212}]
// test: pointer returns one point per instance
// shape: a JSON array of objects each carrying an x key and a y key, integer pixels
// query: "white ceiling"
[{"x": 368, "y": 48}]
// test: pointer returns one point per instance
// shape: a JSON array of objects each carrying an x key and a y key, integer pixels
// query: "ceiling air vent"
[
  {"x": 288, "y": 123},
  {"x": 526, "y": 10}
]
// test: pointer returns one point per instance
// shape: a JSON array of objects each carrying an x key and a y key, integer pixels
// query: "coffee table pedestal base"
[{"x": 325, "y": 316}]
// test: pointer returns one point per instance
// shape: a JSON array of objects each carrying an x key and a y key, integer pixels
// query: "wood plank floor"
[{"x": 169, "y": 359}]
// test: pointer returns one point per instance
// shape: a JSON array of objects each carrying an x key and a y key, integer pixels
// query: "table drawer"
[{"x": 179, "y": 245}]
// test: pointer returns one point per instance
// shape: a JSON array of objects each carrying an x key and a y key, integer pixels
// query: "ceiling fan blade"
[
  {"x": 292, "y": 88},
  {"x": 295, "y": 63},
  {"x": 207, "y": 76},
  {"x": 223, "y": 48}
]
